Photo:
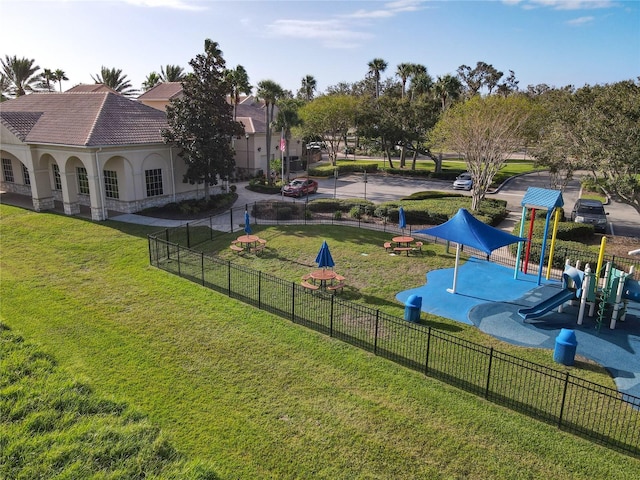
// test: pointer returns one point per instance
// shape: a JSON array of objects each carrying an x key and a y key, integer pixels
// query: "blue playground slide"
[
  {"x": 632, "y": 290},
  {"x": 548, "y": 305},
  {"x": 570, "y": 275}
]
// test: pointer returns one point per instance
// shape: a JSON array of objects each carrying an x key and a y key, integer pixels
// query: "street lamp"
[
  {"x": 246, "y": 136},
  {"x": 335, "y": 181}
]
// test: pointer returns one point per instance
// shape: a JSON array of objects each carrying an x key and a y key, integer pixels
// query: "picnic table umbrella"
[
  {"x": 324, "y": 258},
  {"x": 247, "y": 223},
  {"x": 402, "y": 221}
]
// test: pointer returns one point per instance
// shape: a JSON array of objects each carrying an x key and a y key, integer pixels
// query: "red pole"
[{"x": 525, "y": 265}]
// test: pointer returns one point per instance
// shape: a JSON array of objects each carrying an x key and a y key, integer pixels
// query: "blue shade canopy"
[
  {"x": 324, "y": 258},
  {"x": 402, "y": 221},
  {"x": 247, "y": 223},
  {"x": 463, "y": 228}
]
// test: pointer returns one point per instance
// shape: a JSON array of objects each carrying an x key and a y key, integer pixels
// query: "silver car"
[{"x": 463, "y": 182}]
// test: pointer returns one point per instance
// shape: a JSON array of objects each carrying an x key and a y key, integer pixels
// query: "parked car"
[
  {"x": 299, "y": 187},
  {"x": 590, "y": 211},
  {"x": 463, "y": 182}
]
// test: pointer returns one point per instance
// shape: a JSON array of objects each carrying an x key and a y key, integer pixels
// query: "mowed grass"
[{"x": 251, "y": 394}]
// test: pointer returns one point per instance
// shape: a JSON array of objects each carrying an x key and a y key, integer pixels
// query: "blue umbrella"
[
  {"x": 324, "y": 258},
  {"x": 402, "y": 222},
  {"x": 247, "y": 223}
]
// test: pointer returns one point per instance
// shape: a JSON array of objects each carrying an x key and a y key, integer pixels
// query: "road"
[{"x": 623, "y": 219}]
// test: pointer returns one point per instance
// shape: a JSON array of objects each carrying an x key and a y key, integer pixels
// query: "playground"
[{"x": 602, "y": 310}]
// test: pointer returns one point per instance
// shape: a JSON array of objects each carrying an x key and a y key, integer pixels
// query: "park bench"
[
  {"x": 236, "y": 248},
  {"x": 403, "y": 249}
]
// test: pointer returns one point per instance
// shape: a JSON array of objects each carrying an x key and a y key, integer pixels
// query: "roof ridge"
[{"x": 97, "y": 117}]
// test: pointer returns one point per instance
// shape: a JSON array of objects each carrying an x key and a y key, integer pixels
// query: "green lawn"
[{"x": 248, "y": 393}]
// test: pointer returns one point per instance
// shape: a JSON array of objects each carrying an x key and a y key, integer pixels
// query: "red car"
[{"x": 299, "y": 187}]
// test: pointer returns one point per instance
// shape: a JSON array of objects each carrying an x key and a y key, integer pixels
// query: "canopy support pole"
[{"x": 455, "y": 271}]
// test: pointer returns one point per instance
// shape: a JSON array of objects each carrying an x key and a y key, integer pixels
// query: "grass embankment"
[{"x": 246, "y": 392}]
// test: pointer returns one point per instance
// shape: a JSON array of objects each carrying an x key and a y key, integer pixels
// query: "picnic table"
[
  {"x": 323, "y": 280},
  {"x": 253, "y": 243},
  {"x": 403, "y": 244}
]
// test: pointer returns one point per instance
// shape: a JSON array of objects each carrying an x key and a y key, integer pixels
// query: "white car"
[{"x": 463, "y": 182}]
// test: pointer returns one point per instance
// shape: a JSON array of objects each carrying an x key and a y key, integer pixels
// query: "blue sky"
[{"x": 557, "y": 42}]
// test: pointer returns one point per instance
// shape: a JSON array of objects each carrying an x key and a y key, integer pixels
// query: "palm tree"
[
  {"x": 448, "y": 88},
  {"x": 21, "y": 74},
  {"x": 286, "y": 119},
  {"x": 269, "y": 91},
  {"x": 307, "y": 88},
  {"x": 404, "y": 71},
  {"x": 172, "y": 73},
  {"x": 5, "y": 86},
  {"x": 59, "y": 76},
  {"x": 151, "y": 81},
  {"x": 376, "y": 67},
  {"x": 45, "y": 80},
  {"x": 238, "y": 80},
  {"x": 114, "y": 79}
]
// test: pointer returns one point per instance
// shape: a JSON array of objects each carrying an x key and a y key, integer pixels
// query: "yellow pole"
[
  {"x": 553, "y": 242},
  {"x": 603, "y": 244}
]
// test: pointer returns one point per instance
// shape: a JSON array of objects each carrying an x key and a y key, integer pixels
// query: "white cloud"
[
  {"x": 563, "y": 4},
  {"x": 576, "y": 22},
  {"x": 173, "y": 4},
  {"x": 330, "y": 33}
]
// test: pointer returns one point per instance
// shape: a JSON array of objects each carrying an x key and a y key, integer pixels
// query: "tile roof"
[
  {"x": 82, "y": 119},
  {"x": 162, "y": 92},
  {"x": 90, "y": 87}
]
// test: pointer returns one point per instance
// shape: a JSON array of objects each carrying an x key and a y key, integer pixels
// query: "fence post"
[
  {"x": 229, "y": 277},
  {"x": 210, "y": 227},
  {"x": 166, "y": 237},
  {"x": 260, "y": 289},
  {"x": 188, "y": 236},
  {"x": 331, "y": 317},
  {"x": 486, "y": 390},
  {"x": 564, "y": 397},
  {"x": 293, "y": 301},
  {"x": 149, "y": 245},
  {"x": 178, "y": 253},
  {"x": 375, "y": 338},
  {"x": 202, "y": 266},
  {"x": 426, "y": 360}
]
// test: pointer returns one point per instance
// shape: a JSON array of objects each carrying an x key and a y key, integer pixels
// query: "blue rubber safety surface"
[{"x": 488, "y": 296}]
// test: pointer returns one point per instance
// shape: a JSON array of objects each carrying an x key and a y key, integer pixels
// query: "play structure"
[
  {"x": 572, "y": 280},
  {"x": 610, "y": 298}
]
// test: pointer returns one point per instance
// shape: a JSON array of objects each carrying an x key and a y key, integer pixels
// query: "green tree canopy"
[
  {"x": 330, "y": 118},
  {"x": 485, "y": 131},
  {"x": 201, "y": 121}
]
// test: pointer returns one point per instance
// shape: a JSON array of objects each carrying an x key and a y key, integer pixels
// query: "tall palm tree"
[
  {"x": 404, "y": 71},
  {"x": 21, "y": 74},
  {"x": 448, "y": 88},
  {"x": 45, "y": 79},
  {"x": 113, "y": 78},
  {"x": 307, "y": 88},
  {"x": 269, "y": 92},
  {"x": 172, "y": 73},
  {"x": 238, "y": 81},
  {"x": 59, "y": 76},
  {"x": 376, "y": 67},
  {"x": 151, "y": 81}
]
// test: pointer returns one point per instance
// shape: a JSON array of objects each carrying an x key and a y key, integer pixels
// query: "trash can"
[
  {"x": 412, "y": 308},
  {"x": 565, "y": 351}
]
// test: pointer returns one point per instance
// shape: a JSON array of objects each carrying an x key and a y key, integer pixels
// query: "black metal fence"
[
  {"x": 302, "y": 213},
  {"x": 584, "y": 408}
]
